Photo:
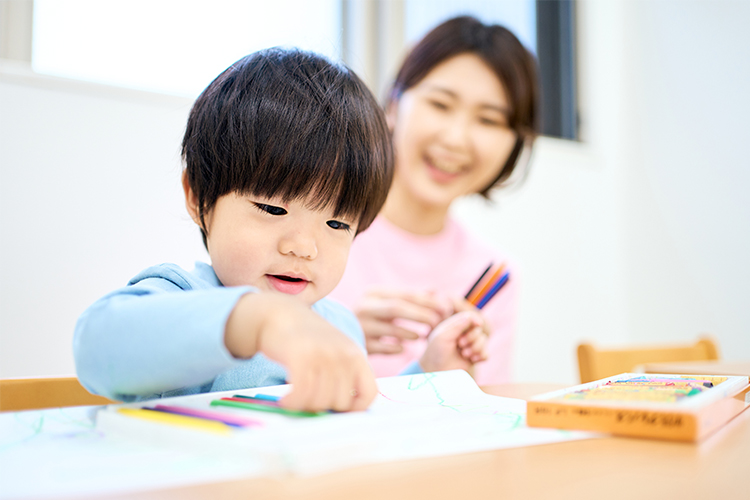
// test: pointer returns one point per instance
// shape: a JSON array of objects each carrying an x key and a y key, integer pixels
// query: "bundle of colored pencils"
[{"x": 489, "y": 283}]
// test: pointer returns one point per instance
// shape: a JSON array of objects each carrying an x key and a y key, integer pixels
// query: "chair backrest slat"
[
  {"x": 35, "y": 393},
  {"x": 595, "y": 364}
]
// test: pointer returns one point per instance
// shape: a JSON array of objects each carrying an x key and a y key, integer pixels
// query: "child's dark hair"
[
  {"x": 292, "y": 124},
  {"x": 514, "y": 66}
]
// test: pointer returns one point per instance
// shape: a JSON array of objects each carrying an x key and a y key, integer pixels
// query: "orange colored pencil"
[{"x": 486, "y": 284}]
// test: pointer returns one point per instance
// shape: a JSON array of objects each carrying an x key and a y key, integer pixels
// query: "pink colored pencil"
[{"x": 210, "y": 415}]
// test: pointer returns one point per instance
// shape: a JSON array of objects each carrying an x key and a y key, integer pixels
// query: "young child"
[{"x": 287, "y": 157}]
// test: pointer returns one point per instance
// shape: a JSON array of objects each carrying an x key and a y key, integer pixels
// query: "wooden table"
[{"x": 607, "y": 468}]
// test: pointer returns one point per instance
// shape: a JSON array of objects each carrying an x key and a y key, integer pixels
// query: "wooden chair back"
[
  {"x": 35, "y": 393},
  {"x": 595, "y": 364}
]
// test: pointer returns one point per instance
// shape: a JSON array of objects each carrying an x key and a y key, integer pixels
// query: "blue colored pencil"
[
  {"x": 267, "y": 397},
  {"x": 264, "y": 399},
  {"x": 495, "y": 288}
]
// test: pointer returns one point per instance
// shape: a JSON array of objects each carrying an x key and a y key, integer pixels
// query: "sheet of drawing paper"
[
  {"x": 62, "y": 453},
  {"x": 59, "y": 453},
  {"x": 416, "y": 416}
]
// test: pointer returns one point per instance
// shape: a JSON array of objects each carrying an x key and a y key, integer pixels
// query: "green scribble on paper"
[
  {"x": 510, "y": 421},
  {"x": 416, "y": 382}
]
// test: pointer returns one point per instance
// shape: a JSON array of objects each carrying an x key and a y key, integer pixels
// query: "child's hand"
[
  {"x": 456, "y": 343},
  {"x": 380, "y": 310},
  {"x": 326, "y": 368}
]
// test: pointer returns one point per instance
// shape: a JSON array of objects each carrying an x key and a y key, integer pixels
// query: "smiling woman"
[
  {"x": 462, "y": 112},
  {"x": 452, "y": 134}
]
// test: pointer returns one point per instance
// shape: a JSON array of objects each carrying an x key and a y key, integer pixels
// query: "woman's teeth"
[{"x": 448, "y": 168}]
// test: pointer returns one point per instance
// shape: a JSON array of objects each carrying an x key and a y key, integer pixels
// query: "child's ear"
[{"x": 191, "y": 200}]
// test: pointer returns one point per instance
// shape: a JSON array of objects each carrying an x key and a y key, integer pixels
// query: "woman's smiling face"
[{"x": 450, "y": 132}]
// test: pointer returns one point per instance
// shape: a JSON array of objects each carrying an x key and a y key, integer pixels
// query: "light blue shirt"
[{"x": 163, "y": 335}]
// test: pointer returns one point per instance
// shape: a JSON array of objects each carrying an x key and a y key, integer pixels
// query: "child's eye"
[
  {"x": 338, "y": 225},
  {"x": 270, "y": 209}
]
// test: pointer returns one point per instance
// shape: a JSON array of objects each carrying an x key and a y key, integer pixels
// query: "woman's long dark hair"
[{"x": 514, "y": 66}]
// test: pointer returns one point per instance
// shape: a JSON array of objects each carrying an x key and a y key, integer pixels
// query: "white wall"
[
  {"x": 689, "y": 214},
  {"x": 90, "y": 195},
  {"x": 636, "y": 235},
  {"x": 640, "y": 235}
]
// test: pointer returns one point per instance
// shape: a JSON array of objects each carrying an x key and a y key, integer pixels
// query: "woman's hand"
[
  {"x": 381, "y": 309},
  {"x": 456, "y": 343},
  {"x": 461, "y": 304}
]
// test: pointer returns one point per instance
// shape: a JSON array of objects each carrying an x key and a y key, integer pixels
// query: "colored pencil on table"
[
  {"x": 232, "y": 420},
  {"x": 249, "y": 399},
  {"x": 260, "y": 398},
  {"x": 244, "y": 405},
  {"x": 177, "y": 420},
  {"x": 267, "y": 397}
]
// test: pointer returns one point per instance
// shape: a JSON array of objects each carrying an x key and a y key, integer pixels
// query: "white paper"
[{"x": 61, "y": 452}]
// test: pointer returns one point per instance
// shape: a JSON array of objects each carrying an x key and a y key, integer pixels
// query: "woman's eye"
[
  {"x": 439, "y": 105},
  {"x": 492, "y": 122},
  {"x": 270, "y": 209},
  {"x": 334, "y": 224}
]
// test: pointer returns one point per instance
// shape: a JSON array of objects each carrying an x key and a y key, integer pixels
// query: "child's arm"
[
  {"x": 153, "y": 337},
  {"x": 326, "y": 368},
  {"x": 156, "y": 335}
]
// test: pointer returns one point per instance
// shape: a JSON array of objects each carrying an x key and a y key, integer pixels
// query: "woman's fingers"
[
  {"x": 378, "y": 347},
  {"x": 376, "y": 328},
  {"x": 390, "y": 309},
  {"x": 473, "y": 345},
  {"x": 471, "y": 335},
  {"x": 424, "y": 307},
  {"x": 381, "y": 310}
]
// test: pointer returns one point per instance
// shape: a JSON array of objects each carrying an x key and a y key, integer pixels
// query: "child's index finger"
[
  {"x": 365, "y": 394},
  {"x": 294, "y": 405}
]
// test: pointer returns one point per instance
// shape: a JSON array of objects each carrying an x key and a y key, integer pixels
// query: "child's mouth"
[{"x": 286, "y": 284}]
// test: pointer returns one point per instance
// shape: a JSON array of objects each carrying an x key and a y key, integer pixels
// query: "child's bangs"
[
  {"x": 290, "y": 124},
  {"x": 323, "y": 184}
]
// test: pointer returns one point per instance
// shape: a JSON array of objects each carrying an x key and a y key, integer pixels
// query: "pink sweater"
[{"x": 447, "y": 262}]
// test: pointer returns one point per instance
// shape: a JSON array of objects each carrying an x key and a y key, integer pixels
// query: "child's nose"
[{"x": 299, "y": 244}]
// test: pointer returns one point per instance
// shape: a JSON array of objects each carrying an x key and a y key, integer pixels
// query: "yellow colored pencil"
[{"x": 178, "y": 420}]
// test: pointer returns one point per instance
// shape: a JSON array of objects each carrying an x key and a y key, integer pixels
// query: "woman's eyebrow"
[
  {"x": 488, "y": 106},
  {"x": 442, "y": 90},
  {"x": 494, "y": 107}
]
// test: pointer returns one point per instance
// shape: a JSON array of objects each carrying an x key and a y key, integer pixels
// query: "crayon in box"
[{"x": 671, "y": 407}]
